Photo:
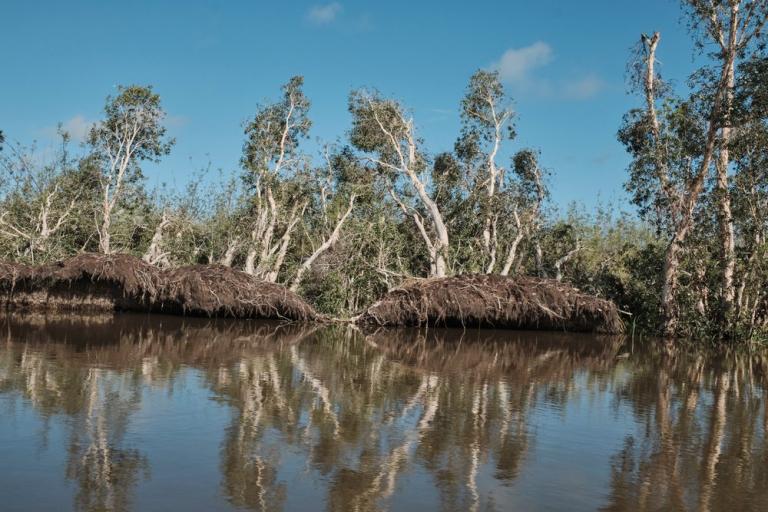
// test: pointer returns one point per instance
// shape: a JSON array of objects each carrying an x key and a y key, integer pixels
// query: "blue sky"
[{"x": 213, "y": 62}]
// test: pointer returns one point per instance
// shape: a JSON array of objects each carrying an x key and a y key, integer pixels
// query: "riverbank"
[
  {"x": 494, "y": 301},
  {"x": 105, "y": 283},
  {"x": 95, "y": 283}
]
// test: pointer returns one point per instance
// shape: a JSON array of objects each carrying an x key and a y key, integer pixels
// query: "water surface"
[{"x": 160, "y": 413}]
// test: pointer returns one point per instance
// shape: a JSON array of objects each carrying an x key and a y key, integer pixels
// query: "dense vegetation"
[{"x": 345, "y": 226}]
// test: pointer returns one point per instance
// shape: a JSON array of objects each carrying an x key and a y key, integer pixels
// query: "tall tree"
[
  {"x": 382, "y": 128},
  {"x": 734, "y": 26},
  {"x": 526, "y": 204},
  {"x": 487, "y": 116},
  {"x": 132, "y": 131},
  {"x": 271, "y": 155},
  {"x": 749, "y": 189},
  {"x": 673, "y": 150}
]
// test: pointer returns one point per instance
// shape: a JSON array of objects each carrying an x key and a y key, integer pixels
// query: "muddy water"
[{"x": 140, "y": 413}]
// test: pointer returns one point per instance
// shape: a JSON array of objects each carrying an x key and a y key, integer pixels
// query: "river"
[{"x": 148, "y": 413}]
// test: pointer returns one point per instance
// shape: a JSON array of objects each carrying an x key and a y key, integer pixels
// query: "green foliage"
[
  {"x": 274, "y": 133},
  {"x": 285, "y": 200},
  {"x": 134, "y": 115}
]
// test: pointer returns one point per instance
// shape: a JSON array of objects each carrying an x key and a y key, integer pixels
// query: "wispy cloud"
[
  {"x": 324, "y": 14},
  {"x": 517, "y": 64},
  {"x": 584, "y": 87},
  {"x": 518, "y": 68},
  {"x": 77, "y": 127}
]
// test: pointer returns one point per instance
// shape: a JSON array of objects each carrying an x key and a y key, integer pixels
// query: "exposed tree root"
[{"x": 494, "y": 301}]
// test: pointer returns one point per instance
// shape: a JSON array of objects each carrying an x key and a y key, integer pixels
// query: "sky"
[{"x": 213, "y": 63}]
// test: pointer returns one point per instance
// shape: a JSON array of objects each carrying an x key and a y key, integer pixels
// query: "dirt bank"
[
  {"x": 119, "y": 282},
  {"x": 494, "y": 301}
]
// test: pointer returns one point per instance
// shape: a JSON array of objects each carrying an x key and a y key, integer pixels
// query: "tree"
[
  {"x": 487, "y": 117},
  {"x": 735, "y": 27},
  {"x": 272, "y": 159},
  {"x": 39, "y": 200},
  {"x": 749, "y": 150},
  {"x": 672, "y": 153},
  {"x": 526, "y": 202},
  {"x": 131, "y": 132},
  {"x": 334, "y": 190},
  {"x": 381, "y": 128}
]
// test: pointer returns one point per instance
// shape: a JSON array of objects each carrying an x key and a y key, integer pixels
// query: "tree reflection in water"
[
  {"x": 367, "y": 415},
  {"x": 704, "y": 444}
]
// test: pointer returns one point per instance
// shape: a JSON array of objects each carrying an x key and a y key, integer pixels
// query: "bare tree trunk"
[
  {"x": 104, "y": 234},
  {"x": 282, "y": 247},
  {"x": 490, "y": 239},
  {"x": 120, "y": 160},
  {"x": 669, "y": 284},
  {"x": 250, "y": 262},
  {"x": 565, "y": 259},
  {"x": 539, "y": 254},
  {"x": 493, "y": 246},
  {"x": 441, "y": 244},
  {"x": 327, "y": 244},
  {"x": 682, "y": 203},
  {"x": 155, "y": 254},
  {"x": 723, "y": 193},
  {"x": 438, "y": 246},
  {"x": 229, "y": 254},
  {"x": 512, "y": 252},
  {"x": 261, "y": 233},
  {"x": 702, "y": 302}
]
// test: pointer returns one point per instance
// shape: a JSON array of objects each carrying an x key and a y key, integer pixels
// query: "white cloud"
[
  {"x": 517, "y": 64},
  {"x": 324, "y": 14},
  {"x": 517, "y": 67}
]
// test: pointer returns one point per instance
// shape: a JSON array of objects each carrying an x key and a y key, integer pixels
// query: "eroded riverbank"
[{"x": 99, "y": 283}]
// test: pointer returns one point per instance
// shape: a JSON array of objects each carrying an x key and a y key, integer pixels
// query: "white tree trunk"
[
  {"x": 682, "y": 203},
  {"x": 282, "y": 247},
  {"x": 250, "y": 262},
  {"x": 155, "y": 254},
  {"x": 565, "y": 259},
  {"x": 512, "y": 251},
  {"x": 229, "y": 254},
  {"x": 723, "y": 193},
  {"x": 438, "y": 245},
  {"x": 327, "y": 244},
  {"x": 490, "y": 239}
]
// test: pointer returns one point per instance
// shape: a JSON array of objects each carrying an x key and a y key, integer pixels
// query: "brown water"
[{"x": 139, "y": 413}]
